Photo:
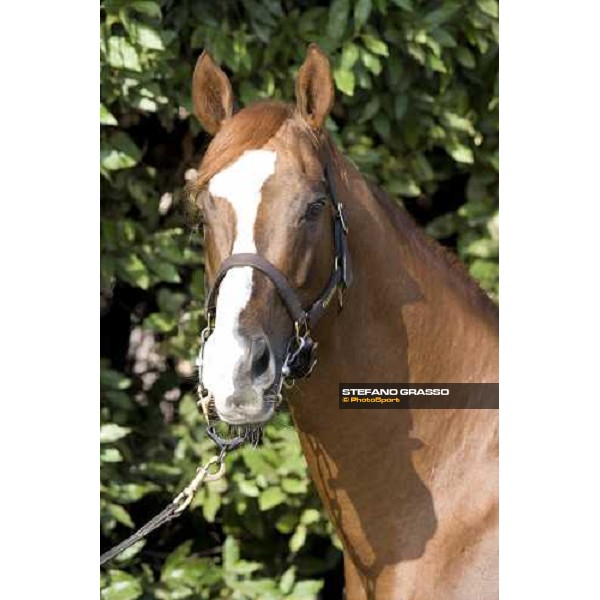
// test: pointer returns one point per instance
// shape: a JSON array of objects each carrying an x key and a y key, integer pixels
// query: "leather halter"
[{"x": 301, "y": 352}]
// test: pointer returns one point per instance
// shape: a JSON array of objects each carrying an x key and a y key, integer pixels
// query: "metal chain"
[
  {"x": 184, "y": 498},
  {"x": 175, "y": 508}
]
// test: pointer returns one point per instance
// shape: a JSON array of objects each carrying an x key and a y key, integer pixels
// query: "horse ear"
[
  {"x": 314, "y": 87},
  {"x": 212, "y": 95}
]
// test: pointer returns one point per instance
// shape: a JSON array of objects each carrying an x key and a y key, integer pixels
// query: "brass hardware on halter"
[
  {"x": 185, "y": 497},
  {"x": 300, "y": 359},
  {"x": 204, "y": 402}
]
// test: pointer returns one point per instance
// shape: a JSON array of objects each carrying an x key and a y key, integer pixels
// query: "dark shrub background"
[{"x": 416, "y": 110}]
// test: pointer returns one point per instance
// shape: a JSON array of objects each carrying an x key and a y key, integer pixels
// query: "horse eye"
[{"x": 314, "y": 208}]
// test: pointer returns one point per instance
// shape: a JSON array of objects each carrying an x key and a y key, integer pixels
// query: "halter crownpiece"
[{"x": 301, "y": 356}]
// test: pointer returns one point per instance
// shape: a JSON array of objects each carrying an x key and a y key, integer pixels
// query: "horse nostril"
[{"x": 261, "y": 356}]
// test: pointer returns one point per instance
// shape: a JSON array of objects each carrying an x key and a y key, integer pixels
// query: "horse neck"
[
  {"x": 412, "y": 313},
  {"x": 409, "y": 316}
]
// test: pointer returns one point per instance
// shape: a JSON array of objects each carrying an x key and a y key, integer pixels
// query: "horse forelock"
[{"x": 249, "y": 129}]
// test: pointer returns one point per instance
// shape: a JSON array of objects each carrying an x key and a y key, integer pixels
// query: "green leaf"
[
  {"x": 183, "y": 572},
  {"x": 246, "y": 567},
  {"x": 160, "y": 322},
  {"x": 493, "y": 227},
  {"x": 298, "y": 539},
  {"x": 270, "y": 498},
  {"x": 370, "y": 110},
  {"x": 146, "y": 104},
  {"x": 231, "y": 553},
  {"x": 127, "y": 493},
  {"x": 248, "y": 488},
  {"x": 416, "y": 52},
  {"x": 465, "y": 57},
  {"x": 350, "y": 55},
  {"x": 375, "y": 45},
  {"x": 344, "y": 81},
  {"x": 170, "y": 302},
  {"x": 436, "y": 64},
  {"x": 120, "y": 514},
  {"x": 211, "y": 505},
  {"x": 362, "y": 10},
  {"x": 400, "y": 106},
  {"x": 382, "y": 125},
  {"x": 310, "y": 516},
  {"x": 404, "y": 187},
  {"x": 120, "y": 152},
  {"x": 176, "y": 557},
  {"x": 134, "y": 271},
  {"x": 147, "y": 37},
  {"x": 286, "y": 523},
  {"x": 110, "y": 455},
  {"x": 106, "y": 118},
  {"x": 306, "y": 589},
  {"x": 405, "y": 4},
  {"x": 441, "y": 15},
  {"x": 372, "y": 62},
  {"x": 338, "y": 19},
  {"x": 257, "y": 463},
  {"x": 122, "y": 586},
  {"x": 444, "y": 38},
  {"x": 114, "y": 380},
  {"x": 147, "y": 7},
  {"x": 475, "y": 210},
  {"x": 287, "y": 580},
  {"x": 120, "y": 54},
  {"x": 461, "y": 153},
  {"x": 130, "y": 552},
  {"x": 485, "y": 271},
  {"x": 489, "y": 7},
  {"x": 482, "y": 248},
  {"x": 443, "y": 226},
  {"x": 294, "y": 486},
  {"x": 166, "y": 271},
  {"x": 111, "y": 432},
  {"x": 458, "y": 122}
]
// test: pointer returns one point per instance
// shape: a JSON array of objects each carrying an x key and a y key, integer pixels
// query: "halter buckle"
[{"x": 301, "y": 357}]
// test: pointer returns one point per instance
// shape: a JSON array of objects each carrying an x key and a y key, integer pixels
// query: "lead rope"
[{"x": 176, "y": 507}]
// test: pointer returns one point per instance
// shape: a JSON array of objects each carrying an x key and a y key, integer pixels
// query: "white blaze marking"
[{"x": 240, "y": 184}]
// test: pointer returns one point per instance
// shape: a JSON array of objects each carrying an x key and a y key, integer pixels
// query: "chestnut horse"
[{"x": 413, "y": 494}]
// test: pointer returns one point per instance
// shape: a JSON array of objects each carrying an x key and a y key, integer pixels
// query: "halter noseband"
[{"x": 301, "y": 349}]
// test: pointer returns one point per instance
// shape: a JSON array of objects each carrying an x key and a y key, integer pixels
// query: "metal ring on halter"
[
  {"x": 289, "y": 356},
  {"x": 301, "y": 325}
]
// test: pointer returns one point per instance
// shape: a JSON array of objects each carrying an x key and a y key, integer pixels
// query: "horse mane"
[
  {"x": 432, "y": 250},
  {"x": 250, "y": 128}
]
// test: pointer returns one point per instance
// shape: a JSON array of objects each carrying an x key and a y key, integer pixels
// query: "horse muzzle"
[{"x": 238, "y": 371}]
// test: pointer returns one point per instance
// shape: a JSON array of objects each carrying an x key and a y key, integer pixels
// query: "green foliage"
[{"x": 417, "y": 111}]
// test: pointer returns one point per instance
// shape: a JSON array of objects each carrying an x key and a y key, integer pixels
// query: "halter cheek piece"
[{"x": 301, "y": 356}]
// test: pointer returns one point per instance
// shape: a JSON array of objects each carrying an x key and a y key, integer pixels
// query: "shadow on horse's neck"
[{"x": 410, "y": 316}]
